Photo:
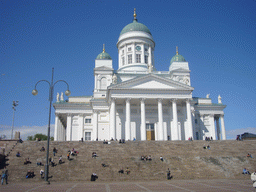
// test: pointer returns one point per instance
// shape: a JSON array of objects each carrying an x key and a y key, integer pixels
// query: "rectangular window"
[
  {"x": 123, "y": 61},
  {"x": 88, "y": 120},
  {"x": 87, "y": 136},
  {"x": 129, "y": 49},
  {"x": 138, "y": 59},
  {"x": 146, "y": 59},
  {"x": 129, "y": 59},
  {"x": 195, "y": 121}
]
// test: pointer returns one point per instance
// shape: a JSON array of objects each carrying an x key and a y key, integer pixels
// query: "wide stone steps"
[{"x": 186, "y": 160}]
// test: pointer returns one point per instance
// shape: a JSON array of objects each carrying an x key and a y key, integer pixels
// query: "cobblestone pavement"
[{"x": 151, "y": 186}]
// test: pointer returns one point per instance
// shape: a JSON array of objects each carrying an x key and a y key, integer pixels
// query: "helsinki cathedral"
[{"x": 137, "y": 102}]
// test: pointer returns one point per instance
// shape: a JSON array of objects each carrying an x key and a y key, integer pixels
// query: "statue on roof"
[
  {"x": 61, "y": 97},
  {"x": 219, "y": 99},
  {"x": 208, "y": 96},
  {"x": 58, "y": 97},
  {"x": 114, "y": 79}
]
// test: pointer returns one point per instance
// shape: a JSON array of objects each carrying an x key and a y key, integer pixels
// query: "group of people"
[
  {"x": 27, "y": 161},
  {"x": 190, "y": 138},
  {"x": 30, "y": 174},
  {"x": 208, "y": 139},
  {"x": 146, "y": 158},
  {"x": 207, "y": 147}
]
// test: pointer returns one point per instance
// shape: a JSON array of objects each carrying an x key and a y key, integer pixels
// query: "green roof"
[
  {"x": 135, "y": 26},
  {"x": 103, "y": 56},
  {"x": 178, "y": 58}
]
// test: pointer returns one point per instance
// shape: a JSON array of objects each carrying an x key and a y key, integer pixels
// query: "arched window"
[{"x": 103, "y": 83}]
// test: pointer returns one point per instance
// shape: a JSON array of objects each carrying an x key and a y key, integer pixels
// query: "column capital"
[
  {"x": 174, "y": 100},
  {"x": 96, "y": 111},
  {"x": 160, "y": 99},
  {"x": 112, "y": 99},
  {"x": 211, "y": 115},
  {"x": 222, "y": 115},
  {"x": 80, "y": 114},
  {"x": 142, "y": 99},
  {"x": 128, "y": 99},
  {"x": 188, "y": 100}
]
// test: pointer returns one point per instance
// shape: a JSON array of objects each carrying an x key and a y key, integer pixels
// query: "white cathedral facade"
[{"x": 138, "y": 102}]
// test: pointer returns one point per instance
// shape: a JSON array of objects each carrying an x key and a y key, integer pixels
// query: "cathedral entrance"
[{"x": 150, "y": 128}]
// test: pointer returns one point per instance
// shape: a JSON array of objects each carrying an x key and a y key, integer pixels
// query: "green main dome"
[
  {"x": 103, "y": 56},
  {"x": 135, "y": 26}
]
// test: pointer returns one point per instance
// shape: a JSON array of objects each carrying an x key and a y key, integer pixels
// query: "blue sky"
[{"x": 217, "y": 38}]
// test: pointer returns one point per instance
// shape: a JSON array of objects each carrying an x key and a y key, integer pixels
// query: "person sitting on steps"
[
  {"x": 127, "y": 171},
  {"x": 94, "y": 155},
  {"x": 249, "y": 155},
  {"x": 60, "y": 160},
  {"x": 161, "y": 158},
  {"x": 149, "y": 158},
  {"x": 94, "y": 176},
  {"x": 245, "y": 171},
  {"x": 27, "y": 161},
  {"x": 121, "y": 171},
  {"x": 18, "y": 154},
  {"x": 42, "y": 149}
]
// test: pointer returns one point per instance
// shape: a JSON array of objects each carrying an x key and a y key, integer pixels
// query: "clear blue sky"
[{"x": 217, "y": 38}]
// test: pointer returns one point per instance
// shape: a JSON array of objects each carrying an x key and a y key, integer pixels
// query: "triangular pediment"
[{"x": 152, "y": 82}]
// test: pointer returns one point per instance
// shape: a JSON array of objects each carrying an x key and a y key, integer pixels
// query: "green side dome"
[
  {"x": 135, "y": 26},
  {"x": 103, "y": 56},
  {"x": 178, "y": 58}
]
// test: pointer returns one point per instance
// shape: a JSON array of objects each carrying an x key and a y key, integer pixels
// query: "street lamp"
[
  {"x": 14, "y": 105},
  {"x": 51, "y": 88}
]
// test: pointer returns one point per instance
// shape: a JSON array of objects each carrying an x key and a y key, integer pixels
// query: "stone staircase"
[{"x": 186, "y": 160}]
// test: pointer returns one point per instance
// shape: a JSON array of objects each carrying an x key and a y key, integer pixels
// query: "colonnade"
[{"x": 174, "y": 128}]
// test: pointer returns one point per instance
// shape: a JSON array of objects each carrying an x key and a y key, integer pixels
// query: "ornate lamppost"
[
  {"x": 14, "y": 105},
  {"x": 51, "y": 90}
]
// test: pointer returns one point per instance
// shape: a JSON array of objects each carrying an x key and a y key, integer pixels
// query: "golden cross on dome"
[
  {"x": 177, "y": 52},
  {"x": 134, "y": 15},
  {"x": 103, "y": 48}
]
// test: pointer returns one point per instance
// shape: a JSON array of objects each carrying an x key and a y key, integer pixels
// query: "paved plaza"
[{"x": 150, "y": 186}]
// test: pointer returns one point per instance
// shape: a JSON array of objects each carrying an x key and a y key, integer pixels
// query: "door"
[{"x": 150, "y": 131}]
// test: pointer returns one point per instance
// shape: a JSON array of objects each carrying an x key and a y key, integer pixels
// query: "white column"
[
  {"x": 125, "y": 55},
  {"x": 142, "y": 53},
  {"x": 174, "y": 129},
  {"x": 223, "y": 131},
  {"x": 149, "y": 55},
  {"x": 143, "y": 120},
  {"x": 81, "y": 126},
  {"x": 69, "y": 128},
  {"x": 212, "y": 125},
  {"x": 95, "y": 125},
  {"x": 218, "y": 127},
  {"x": 128, "y": 120},
  {"x": 160, "y": 120},
  {"x": 133, "y": 53},
  {"x": 113, "y": 119},
  {"x": 56, "y": 127},
  {"x": 189, "y": 129}
]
